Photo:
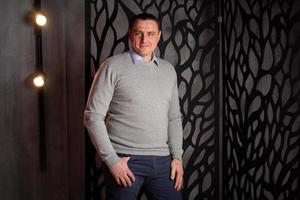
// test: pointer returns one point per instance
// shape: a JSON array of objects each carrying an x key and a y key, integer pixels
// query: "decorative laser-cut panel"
[
  {"x": 262, "y": 103},
  {"x": 190, "y": 42}
]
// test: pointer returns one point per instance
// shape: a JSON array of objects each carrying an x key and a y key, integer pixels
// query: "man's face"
[{"x": 144, "y": 36}]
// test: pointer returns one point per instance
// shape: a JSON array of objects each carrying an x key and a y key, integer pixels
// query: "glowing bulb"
[
  {"x": 40, "y": 19},
  {"x": 39, "y": 81}
]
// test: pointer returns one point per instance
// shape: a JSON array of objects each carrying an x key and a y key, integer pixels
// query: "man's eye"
[{"x": 138, "y": 34}]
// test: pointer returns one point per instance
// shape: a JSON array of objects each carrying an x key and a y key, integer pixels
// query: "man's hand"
[
  {"x": 177, "y": 173},
  {"x": 122, "y": 173}
]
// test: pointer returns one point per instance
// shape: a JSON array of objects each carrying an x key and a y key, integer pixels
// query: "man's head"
[{"x": 144, "y": 34}]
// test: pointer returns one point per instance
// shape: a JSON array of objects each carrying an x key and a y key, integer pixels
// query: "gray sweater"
[{"x": 133, "y": 108}]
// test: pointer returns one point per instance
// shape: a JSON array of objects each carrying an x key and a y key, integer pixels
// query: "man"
[{"x": 134, "y": 120}]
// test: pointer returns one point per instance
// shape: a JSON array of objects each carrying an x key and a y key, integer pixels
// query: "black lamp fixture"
[{"x": 39, "y": 79}]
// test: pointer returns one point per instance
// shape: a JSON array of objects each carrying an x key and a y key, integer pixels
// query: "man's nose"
[{"x": 143, "y": 38}]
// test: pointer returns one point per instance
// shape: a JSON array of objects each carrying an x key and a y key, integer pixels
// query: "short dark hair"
[{"x": 143, "y": 16}]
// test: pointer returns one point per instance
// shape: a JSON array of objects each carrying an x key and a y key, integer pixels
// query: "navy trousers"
[{"x": 152, "y": 173}]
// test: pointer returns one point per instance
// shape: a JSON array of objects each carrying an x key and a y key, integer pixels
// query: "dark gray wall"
[
  {"x": 19, "y": 161},
  {"x": 262, "y": 99},
  {"x": 63, "y": 52}
]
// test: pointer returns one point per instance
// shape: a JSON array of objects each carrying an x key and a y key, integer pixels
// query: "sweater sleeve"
[
  {"x": 100, "y": 95},
  {"x": 175, "y": 135}
]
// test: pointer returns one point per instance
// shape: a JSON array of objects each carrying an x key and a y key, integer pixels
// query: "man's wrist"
[
  {"x": 177, "y": 158},
  {"x": 112, "y": 160}
]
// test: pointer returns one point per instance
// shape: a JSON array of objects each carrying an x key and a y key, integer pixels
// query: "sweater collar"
[{"x": 136, "y": 58}]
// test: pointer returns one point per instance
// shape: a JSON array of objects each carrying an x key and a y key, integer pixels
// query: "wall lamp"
[
  {"x": 39, "y": 20},
  {"x": 39, "y": 79}
]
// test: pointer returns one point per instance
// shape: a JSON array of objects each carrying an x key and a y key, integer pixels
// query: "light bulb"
[
  {"x": 39, "y": 80},
  {"x": 40, "y": 19}
]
